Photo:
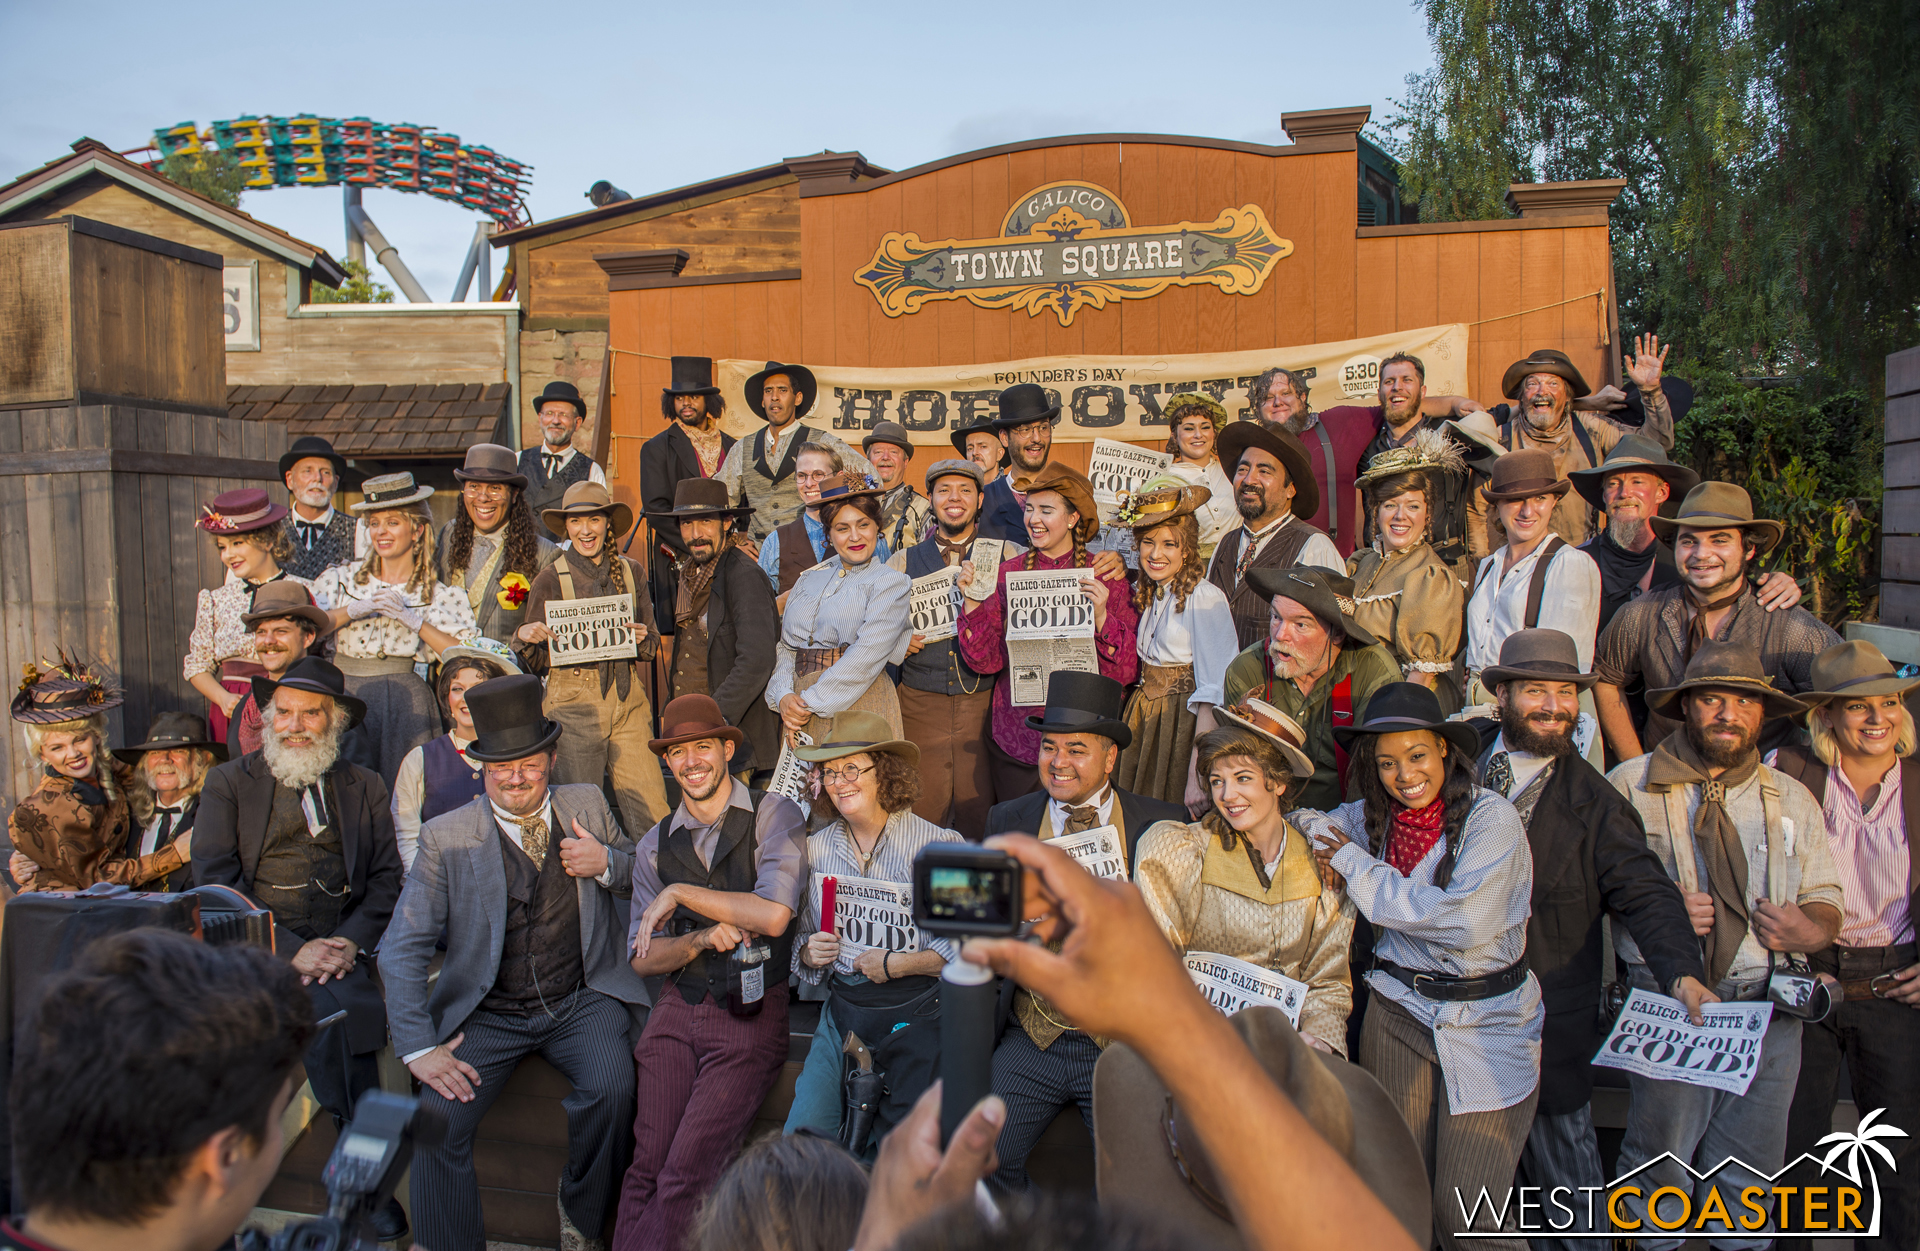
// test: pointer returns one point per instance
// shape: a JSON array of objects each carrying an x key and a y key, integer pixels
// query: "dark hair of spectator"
[
  {"x": 867, "y": 505},
  {"x": 1263, "y": 387},
  {"x": 487, "y": 669},
  {"x": 1419, "y": 366},
  {"x": 1045, "y": 1221},
  {"x": 786, "y": 1192},
  {"x": 1456, "y": 791},
  {"x": 148, "y": 1046},
  {"x": 899, "y": 786}
]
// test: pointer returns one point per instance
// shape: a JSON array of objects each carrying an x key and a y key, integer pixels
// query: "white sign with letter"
[
  {"x": 586, "y": 631},
  {"x": 1654, "y": 1038},
  {"x": 934, "y": 604},
  {"x": 1231, "y": 984},
  {"x": 869, "y": 914},
  {"x": 1118, "y": 469},
  {"x": 1101, "y": 851}
]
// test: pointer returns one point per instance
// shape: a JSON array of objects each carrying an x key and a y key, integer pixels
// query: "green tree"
[
  {"x": 359, "y": 288},
  {"x": 212, "y": 172}
]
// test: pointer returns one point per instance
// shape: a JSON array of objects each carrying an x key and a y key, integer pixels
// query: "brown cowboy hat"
[
  {"x": 172, "y": 731},
  {"x": 1537, "y": 656},
  {"x": 856, "y": 732},
  {"x": 689, "y": 719},
  {"x": 1524, "y": 474},
  {"x": 1635, "y": 453},
  {"x": 1724, "y": 667},
  {"x": 583, "y": 499},
  {"x": 1720, "y": 506},
  {"x": 1274, "y": 726},
  {"x": 1072, "y": 484},
  {"x": 1147, "y": 1156},
  {"x": 490, "y": 462},
  {"x": 285, "y": 598},
  {"x": 799, "y": 375},
  {"x": 1324, "y": 593},
  {"x": 1543, "y": 361},
  {"x": 1851, "y": 670},
  {"x": 699, "y": 497},
  {"x": 1282, "y": 446}
]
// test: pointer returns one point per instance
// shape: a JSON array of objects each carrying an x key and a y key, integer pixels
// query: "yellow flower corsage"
[{"x": 513, "y": 591}]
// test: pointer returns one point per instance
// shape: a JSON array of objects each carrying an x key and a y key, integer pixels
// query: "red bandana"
[{"x": 1413, "y": 833}]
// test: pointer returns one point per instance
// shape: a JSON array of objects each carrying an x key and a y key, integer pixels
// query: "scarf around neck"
[
  {"x": 1717, "y": 839},
  {"x": 1413, "y": 833}
]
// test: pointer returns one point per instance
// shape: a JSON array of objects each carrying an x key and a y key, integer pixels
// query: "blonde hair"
[
  {"x": 1827, "y": 747},
  {"x": 421, "y": 580},
  {"x": 94, "y": 723}
]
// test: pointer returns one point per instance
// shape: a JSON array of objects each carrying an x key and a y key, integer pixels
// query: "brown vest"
[
  {"x": 1251, "y": 611},
  {"x": 796, "y": 552}
]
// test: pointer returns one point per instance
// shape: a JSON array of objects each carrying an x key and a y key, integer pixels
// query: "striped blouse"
[{"x": 1870, "y": 855}]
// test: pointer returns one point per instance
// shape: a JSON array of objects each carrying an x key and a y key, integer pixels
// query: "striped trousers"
[
  {"x": 1464, "y": 1151},
  {"x": 1036, "y": 1085}
]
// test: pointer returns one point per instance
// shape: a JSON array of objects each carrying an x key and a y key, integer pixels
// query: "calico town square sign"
[{"x": 1071, "y": 245}]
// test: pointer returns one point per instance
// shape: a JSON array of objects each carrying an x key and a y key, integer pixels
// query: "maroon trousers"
[{"x": 703, "y": 1073}]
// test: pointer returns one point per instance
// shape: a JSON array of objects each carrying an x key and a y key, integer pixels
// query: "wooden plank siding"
[{"x": 1900, "y": 505}]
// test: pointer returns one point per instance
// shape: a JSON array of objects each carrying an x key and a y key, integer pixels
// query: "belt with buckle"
[{"x": 1450, "y": 989}]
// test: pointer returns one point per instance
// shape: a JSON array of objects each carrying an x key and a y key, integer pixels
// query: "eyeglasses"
[
  {"x": 850, "y": 774},
  {"x": 518, "y": 769}
]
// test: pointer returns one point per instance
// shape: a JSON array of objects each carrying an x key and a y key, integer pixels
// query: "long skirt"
[
  {"x": 1155, "y": 763},
  {"x": 880, "y": 697},
  {"x": 401, "y": 715}
]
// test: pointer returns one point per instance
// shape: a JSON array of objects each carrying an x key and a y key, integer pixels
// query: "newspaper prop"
[
  {"x": 1654, "y": 1038},
  {"x": 790, "y": 773},
  {"x": 1049, "y": 628},
  {"x": 870, "y": 915},
  {"x": 1231, "y": 984},
  {"x": 589, "y": 630},
  {"x": 1117, "y": 469},
  {"x": 934, "y": 604},
  {"x": 1101, "y": 851},
  {"x": 986, "y": 557}
]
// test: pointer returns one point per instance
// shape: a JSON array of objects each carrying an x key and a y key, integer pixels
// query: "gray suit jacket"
[{"x": 458, "y": 883}]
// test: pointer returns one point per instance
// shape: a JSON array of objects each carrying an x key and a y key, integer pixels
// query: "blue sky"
[{"x": 656, "y": 96}]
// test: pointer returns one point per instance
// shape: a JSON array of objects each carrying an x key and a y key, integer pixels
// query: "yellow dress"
[{"x": 1207, "y": 898}]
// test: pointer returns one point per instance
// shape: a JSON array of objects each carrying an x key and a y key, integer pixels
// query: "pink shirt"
[{"x": 1870, "y": 853}]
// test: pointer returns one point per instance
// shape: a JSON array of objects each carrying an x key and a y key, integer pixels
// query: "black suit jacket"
[
  {"x": 667, "y": 460},
  {"x": 742, "y": 627},
  {"x": 230, "y": 828},
  {"x": 1590, "y": 857},
  {"x": 1024, "y": 815},
  {"x": 1001, "y": 514}
]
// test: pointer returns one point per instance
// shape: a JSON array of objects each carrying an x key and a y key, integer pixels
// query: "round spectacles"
[{"x": 850, "y": 774}]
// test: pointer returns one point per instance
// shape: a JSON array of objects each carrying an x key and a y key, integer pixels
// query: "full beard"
[
  {"x": 1527, "y": 734},
  {"x": 1288, "y": 666},
  {"x": 300, "y": 766},
  {"x": 1717, "y": 752},
  {"x": 1627, "y": 529},
  {"x": 1298, "y": 423},
  {"x": 1544, "y": 418}
]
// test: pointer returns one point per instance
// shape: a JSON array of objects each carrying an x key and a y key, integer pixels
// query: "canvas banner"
[{"x": 1104, "y": 397}]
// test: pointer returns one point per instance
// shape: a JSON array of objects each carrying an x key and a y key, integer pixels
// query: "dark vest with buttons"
[
  {"x": 181, "y": 878},
  {"x": 540, "y": 959},
  {"x": 448, "y": 781},
  {"x": 332, "y": 546},
  {"x": 302, "y": 877},
  {"x": 938, "y": 667},
  {"x": 1252, "y": 613},
  {"x": 544, "y": 492},
  {"x": 735, "y": 868},
  {"x": 796, "y": 552}
]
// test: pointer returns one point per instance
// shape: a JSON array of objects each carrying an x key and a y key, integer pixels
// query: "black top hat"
[
  {"x": 308, "y": 445},
  {"x": 692, "y": 375},
  {"x": 984, "y": 426},
  {"x": 1024, "y": 403},
  {"x": 171, "y": 731},
  {"x": 507, "y": 720},
  {"x": 310, "y": 673},
  {"x": 799, "y": 375},
  {"x": 1283, "y": 446},
  {"x": 565, "y": 392},
  {"x": 1401, "y": 706},
  {"x": 1324, "y": 593},
  {"x": 698, "y": 497},
  {"x": 1084, "y": 703}
]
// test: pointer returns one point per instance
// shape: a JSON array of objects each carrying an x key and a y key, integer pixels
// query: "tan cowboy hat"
[
  {"x": 583, "y": 499},
  {"x": 1146, "y": 1155},
  {"x": 1072, "y": 484},
  {"x": 1543, "y": 361},
  {"x": 856, "y": 732},
  {"x": 1283, "y": 447},
  {"x": 1724, "y": 667},
  {"x": 1480, "y": 431},
  {"x": 1274, "y": 726},
  {"x": 1524, "y": 474},
  {"x": 1160, "y": 499},
  {"x": 1538, "y": 656},
  {"x": 689, "y": 719},
  {"x": 1635, "y": 453},
  {"x": 1851, "y": 670},
  {"x": 1720, "y": 506}
]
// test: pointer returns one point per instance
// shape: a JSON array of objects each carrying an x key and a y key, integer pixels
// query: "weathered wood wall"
[{"x": 1900, "y": 507}]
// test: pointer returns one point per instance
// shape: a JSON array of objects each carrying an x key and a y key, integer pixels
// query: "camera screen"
[{"x": 969, "y": 896}]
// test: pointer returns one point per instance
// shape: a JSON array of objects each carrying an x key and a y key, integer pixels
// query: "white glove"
[{"x": 359, "y": 609}]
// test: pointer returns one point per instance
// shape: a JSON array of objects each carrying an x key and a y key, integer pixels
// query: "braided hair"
[
  {"x": 522, "y": 540},
  {"x": 1456, "y": 792}
]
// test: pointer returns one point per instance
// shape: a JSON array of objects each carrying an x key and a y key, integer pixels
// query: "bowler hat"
[
  {"x": 1725, "y": 667},
  {"x": 856, "y": 732},
  {"x": 1543, "y": 361},
  {"x": 1084, "y": 703},
  {"x": 1072, "y": 484},
  {"x": 889, "y": 432},
  {"x": 239, "y": 512},
  {"x": 1280, "y": 444},
  {"x": 1537, "y": 656},
  {"x": 490, "y": 462},
  {"x": 563, "y": 391},
  {"x": 1720, "y": 506},
  {"x": 312, "y": 446},
  {"x": 689, "y": 719},
  {"x": 172, "y": 731},
  {"x": 799, "y": 375},
  {"x": 508, "y": 723},
  {"x": 1146, "y": 1151},
  {"x": 286, "y": 598},
  {"x": 1399, "y": 707},
  {"x": 1024, "y": 403},
  {"x": 1635, "y": 453},
  {"x": 1322, "y": 592},
  {"x": 314, "y": 675},
  {"x": 582, "y": 499},
  {"x": 955, "y": 467},
  {"x": 692, "y": 375},
  {"x": 389, "y": 490},
  {"x": 699, "y": 497},
  {"x": 1524, "y": 474},
  {"x": 70, "y": 691},
  {"x": 984, "y": 426},
  {"x": 1853, "y": 670}
]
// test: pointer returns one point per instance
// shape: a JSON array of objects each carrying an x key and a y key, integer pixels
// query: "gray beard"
[
  {"x": 1546, "y": 424},
  {"x": 1627, "y": 531},
  {"x": 300, "y": 767}
]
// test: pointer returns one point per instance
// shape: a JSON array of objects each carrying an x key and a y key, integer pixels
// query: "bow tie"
[{"x": 310, "y": 532}]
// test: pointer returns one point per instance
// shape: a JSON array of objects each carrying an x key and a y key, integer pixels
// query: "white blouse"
[
  {"x": 1203, "y": 636},
  {"x": 1219, "y": 514},
  {"x": 1569, "y": 602},
  {"x": 377, "y": 637}
]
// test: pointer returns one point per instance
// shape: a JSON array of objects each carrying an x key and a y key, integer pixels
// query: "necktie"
[
  {"x": 552, "y": 460},
  {"x": 1697, "y": 624},
  {"x": 165, "y": 834},
  {"x": 1249, "y": 545},
  {"x": 533, "y": 840},
  {"x": 310, "y": 532},
  {"x": 1084, "y": 817},
  {"x": 1500, "y": 774}
]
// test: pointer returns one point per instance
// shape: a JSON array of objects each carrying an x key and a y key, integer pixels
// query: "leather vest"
[
  {"x": 449, "y": 781},
  {"x": 544, "y": 492},
  {"x": 796, "y": 553},
  {"x": 937, "y": 668},
  {"x": 735, "y": 869},
  {"x": 540, "y": 959},
  {"x": 1252, "y": 613}
]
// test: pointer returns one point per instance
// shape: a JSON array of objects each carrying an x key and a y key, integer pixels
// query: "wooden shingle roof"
[{"x": 428, "y": 420}]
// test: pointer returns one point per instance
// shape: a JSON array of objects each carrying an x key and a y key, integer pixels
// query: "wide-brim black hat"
[
  {"x": 1084, "y": 703},
  {"x": 1283, "y": 447},
  {"x": 309, "y": 446},
  {"x": 1326, "y": 594},
  {"x": 1679, "y": 393},
  {"x": 799, "y": 375},
  {"x": 563, "y": 391},
  {"x": 1024, "y": 403},
  {"x": 172, "y": 731},
  {"x": 1399, "y": 707},
  {"x": 508, "y": 723},
  {"x": 984, "y": 426},
  {"x": 694, "y": 498},
  {"x": 310, "y": 673},
  {"x": 692, "y": 375}
]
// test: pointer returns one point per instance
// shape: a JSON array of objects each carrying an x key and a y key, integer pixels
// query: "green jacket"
[{"x": 1370, "y": 668}]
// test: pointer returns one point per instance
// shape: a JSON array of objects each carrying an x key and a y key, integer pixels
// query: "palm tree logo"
[{"x": 1855, "y": 1147}]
